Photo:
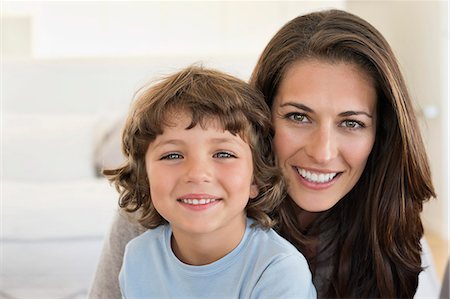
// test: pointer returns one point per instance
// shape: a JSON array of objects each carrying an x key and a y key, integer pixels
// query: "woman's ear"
[{"x": 254, "y": 191}]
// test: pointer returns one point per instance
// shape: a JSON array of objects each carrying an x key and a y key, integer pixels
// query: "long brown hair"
[
  {"x": 370, "y": 240},
  {"x": 206, "y": 94}
]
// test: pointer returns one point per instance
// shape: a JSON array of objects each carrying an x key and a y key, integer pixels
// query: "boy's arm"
[
  {"x": 106, "y": 280},
  {"x": 287, "y": 278}
]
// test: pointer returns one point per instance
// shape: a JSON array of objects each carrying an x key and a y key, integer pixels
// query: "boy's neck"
[{"x": 203, "y": 249}]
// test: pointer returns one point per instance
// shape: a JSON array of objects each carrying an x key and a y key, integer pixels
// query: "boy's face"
[{"x": 200, "y": 179}]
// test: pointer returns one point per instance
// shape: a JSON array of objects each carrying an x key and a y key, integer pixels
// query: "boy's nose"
[{"x": 197, "y": 170}]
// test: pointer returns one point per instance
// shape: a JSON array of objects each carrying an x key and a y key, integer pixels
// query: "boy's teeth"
[
  {"x": 202, "y": 201},
  {"x": 316, "y": 177}
]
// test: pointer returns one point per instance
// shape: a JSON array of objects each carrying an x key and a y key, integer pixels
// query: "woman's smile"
[{"x": 320, "y": 177}]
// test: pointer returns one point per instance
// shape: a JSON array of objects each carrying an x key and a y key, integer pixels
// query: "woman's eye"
[
  {"x": 352, "y": 124},
  {"x": 224, "y": 155},
  {"x": 297, "y": 117},
  {"x": 171, "y": 156}
]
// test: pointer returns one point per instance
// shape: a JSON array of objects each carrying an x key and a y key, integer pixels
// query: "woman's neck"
[{"x": 305, "y": 218}]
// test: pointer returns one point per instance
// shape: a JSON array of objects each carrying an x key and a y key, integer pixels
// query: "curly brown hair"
[
  {"x": 205, "y": 94},
  {"x": 370, "y": 240}
]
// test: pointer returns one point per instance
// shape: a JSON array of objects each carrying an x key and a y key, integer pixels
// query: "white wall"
[
  {"x": 136, "y": 28},
  {"x": 115, "y": 47}
]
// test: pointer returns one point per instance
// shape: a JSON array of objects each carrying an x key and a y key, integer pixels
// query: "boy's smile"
[
  {"x": 198, "y": 201},
  {"x": 201, "y": 178}
]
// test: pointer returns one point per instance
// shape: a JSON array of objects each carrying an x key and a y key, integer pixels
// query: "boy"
[{"x": 200, "y": 172}]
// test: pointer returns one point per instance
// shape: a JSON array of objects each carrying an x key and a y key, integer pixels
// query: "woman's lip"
[
  {"x": 317, "y": 171},
  {"x": 317, "y": 185}
]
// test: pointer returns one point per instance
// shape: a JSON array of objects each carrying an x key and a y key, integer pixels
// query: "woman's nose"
[
  {"x": 197, "y": 170},
  {"x": 322, "y": 145}
]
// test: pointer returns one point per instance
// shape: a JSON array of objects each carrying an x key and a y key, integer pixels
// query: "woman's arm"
[{"x": 106, "y": 283}]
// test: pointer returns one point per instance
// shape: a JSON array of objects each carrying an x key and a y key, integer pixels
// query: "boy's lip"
[
  {"x": 198, "y": 201},
  {"x": 198, "y": 196}
]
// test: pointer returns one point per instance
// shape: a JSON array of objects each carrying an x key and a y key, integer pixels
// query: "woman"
[
  {"x": 340, "y": 108},
  {"x": 349, "y": 146}
]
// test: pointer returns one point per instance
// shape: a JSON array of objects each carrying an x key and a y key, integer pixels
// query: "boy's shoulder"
[
  {"x": 272, "y": 256},
  {"x": 270, "y": 243},
  {"x": 149, "y": 238}
]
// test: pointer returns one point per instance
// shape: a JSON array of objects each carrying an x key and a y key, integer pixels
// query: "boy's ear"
[{"x": 254, "y": 191}]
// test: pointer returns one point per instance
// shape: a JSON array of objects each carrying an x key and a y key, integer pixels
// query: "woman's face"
[{"x": 324, "y": 116}]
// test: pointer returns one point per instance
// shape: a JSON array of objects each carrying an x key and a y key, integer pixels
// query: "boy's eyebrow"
[
  {"x": 217, "y": 140},
  {"x": 169, "y": 141},
  {"x": 224, "y": 140},
  {"x": 342, "y": 114}
]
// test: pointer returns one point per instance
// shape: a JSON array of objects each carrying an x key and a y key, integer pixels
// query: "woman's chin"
[{"x": 314, "y": 204}]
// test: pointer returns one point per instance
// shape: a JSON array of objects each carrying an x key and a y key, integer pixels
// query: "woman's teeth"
[
  {"x": 202, "y": 201},
  {"x": 316, "y": 177}
]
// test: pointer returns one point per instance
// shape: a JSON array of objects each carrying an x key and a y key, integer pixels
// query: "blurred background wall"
[{"x": 70, "y": 69}]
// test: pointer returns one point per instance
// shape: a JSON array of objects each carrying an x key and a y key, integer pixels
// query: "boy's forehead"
[
  {"x": 179, "y": 133},
  {"x": 184, "y": 118}
]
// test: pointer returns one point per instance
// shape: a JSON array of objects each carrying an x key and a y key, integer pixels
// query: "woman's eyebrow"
[
  {"x": 350, "y": 113},
  {"x": 342, "y": 114},
  {"x": 298, "y": 105}
]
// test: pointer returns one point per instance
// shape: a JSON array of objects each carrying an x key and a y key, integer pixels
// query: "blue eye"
[
  {"x": 224, "y": 155},
  {"x": 172, "y": 156}
]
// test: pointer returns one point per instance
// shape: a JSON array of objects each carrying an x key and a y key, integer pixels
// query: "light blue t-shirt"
[{"x": 263, "y": 265}]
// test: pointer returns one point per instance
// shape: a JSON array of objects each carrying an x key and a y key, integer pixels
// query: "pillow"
[{"x": 47, "y": 147}]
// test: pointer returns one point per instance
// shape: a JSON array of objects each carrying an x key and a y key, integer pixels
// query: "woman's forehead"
[{"x": 338, "y": 84}]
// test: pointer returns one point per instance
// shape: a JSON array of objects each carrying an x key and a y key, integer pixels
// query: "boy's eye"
[
  {"x": 297, "y": 117},
  {"x": 224, "y": 155},
  {"x": 352, "y": 124},
  {"x": 171, "y": 156}
]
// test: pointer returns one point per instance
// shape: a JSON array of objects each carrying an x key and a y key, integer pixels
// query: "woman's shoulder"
[
  {"x": 128, "y": 222},
  {"x": 124, "y": 228}
]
